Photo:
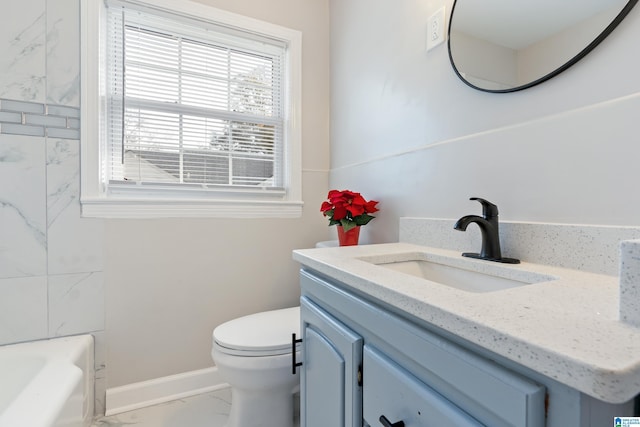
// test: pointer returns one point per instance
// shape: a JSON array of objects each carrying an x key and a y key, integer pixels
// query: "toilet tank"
[{"x": 327, "y": 244}]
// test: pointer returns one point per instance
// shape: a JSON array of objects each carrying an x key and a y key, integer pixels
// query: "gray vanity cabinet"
[{"x": 364, "y": 365}]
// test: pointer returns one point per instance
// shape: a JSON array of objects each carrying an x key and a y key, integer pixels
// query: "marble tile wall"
[{"x": 51, "y": 259}]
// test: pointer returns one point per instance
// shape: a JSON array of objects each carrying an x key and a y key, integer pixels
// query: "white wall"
[
  {"x": 170, "y": 282},
  {"x": 407, "y": 132}
]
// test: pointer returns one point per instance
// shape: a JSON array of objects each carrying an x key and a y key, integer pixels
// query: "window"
[{"x": 190, "y": 112}]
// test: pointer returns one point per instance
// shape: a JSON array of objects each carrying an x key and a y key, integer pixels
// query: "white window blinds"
[{"x": 191, "y": 104}]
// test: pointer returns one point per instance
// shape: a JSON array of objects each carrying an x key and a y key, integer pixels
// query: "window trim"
[{"x": 97, "y": 202}]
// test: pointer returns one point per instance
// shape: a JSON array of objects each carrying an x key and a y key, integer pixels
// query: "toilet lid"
[{"x": 266, "y": 332}]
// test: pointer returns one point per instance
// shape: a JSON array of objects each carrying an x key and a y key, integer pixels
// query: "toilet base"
[
  {"x": 255, "y": 409},
  {"x": 258, "y": 371}
]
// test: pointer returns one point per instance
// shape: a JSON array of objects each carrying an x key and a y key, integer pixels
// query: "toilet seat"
[{"x": 261, "y": 334}]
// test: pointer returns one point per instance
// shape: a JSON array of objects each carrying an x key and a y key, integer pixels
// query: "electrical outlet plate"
[{"x": 435, "y": 29}]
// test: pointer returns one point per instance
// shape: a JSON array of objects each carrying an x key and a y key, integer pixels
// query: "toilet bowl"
[{"x": 253, "y": 354}]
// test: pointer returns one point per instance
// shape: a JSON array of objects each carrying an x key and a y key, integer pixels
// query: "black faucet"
[{"x": 488, "y": 224}]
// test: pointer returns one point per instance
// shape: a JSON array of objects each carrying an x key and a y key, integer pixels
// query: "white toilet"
[{"x": 253, "y": 355}]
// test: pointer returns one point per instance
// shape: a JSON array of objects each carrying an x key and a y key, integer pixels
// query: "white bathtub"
[{"x": 47, "y": 383}]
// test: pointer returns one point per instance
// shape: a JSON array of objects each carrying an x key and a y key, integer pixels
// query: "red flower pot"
[{"x": 350, "y": 237}]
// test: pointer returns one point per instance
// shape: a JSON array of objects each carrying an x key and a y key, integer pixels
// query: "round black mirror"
[{"x": 506, "y": 46}]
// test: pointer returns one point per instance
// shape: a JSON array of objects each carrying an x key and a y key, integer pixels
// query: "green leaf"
[
  {"x": 334, "y": 222},
  {"x": 347, "y": 225},
  {"x": 363, "y": 219}
]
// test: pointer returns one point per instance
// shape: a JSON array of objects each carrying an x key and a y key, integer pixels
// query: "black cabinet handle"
[
  {"x": 294, "y": 363},
  {"x": 386, "y": 423}
]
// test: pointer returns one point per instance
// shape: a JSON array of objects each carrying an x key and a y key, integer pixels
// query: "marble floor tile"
[{"x": 204, "y": 410}]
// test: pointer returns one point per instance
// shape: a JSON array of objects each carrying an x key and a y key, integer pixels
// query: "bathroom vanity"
[{"x": 385, "y": 343}]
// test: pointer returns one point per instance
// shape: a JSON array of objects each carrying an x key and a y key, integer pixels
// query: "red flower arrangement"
[{"x": 348, "y": 209}]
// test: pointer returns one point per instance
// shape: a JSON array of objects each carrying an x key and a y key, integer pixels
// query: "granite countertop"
[{"x": 565, "y": 327}]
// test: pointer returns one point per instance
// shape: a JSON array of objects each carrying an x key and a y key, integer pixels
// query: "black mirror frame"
[{"x": 616, "y": 21}]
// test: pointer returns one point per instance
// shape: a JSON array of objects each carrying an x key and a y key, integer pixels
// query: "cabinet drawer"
[{"x": 391, "y": 391}]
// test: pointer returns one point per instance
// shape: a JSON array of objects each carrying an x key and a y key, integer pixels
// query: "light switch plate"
[{"x": 435, "y": 29}]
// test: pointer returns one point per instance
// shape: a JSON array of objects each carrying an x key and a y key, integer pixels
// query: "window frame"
[{"x": 97, "y": 201}]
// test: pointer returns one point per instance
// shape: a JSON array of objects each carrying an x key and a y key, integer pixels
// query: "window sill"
[{"x": 135, "y": 208}]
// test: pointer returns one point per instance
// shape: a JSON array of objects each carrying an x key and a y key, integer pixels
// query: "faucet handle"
[{"x": 489, "y": 210}]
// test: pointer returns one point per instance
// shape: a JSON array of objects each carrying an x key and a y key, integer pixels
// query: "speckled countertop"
[{"x": 566, "y": 328}]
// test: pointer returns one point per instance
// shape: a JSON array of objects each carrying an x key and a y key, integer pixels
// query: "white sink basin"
[{"x": 462, "y": 278}]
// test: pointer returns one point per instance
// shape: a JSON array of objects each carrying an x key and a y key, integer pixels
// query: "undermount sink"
[{"x": 461, "y": 278}]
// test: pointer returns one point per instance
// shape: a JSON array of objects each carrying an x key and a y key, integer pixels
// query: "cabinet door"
[{"x": 332, "y": 355}]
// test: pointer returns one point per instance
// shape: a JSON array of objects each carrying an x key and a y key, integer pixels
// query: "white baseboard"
[{"x": 146, "y": 393}]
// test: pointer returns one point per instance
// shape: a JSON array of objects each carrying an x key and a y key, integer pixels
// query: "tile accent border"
[{"x": 35, "y": 119}]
